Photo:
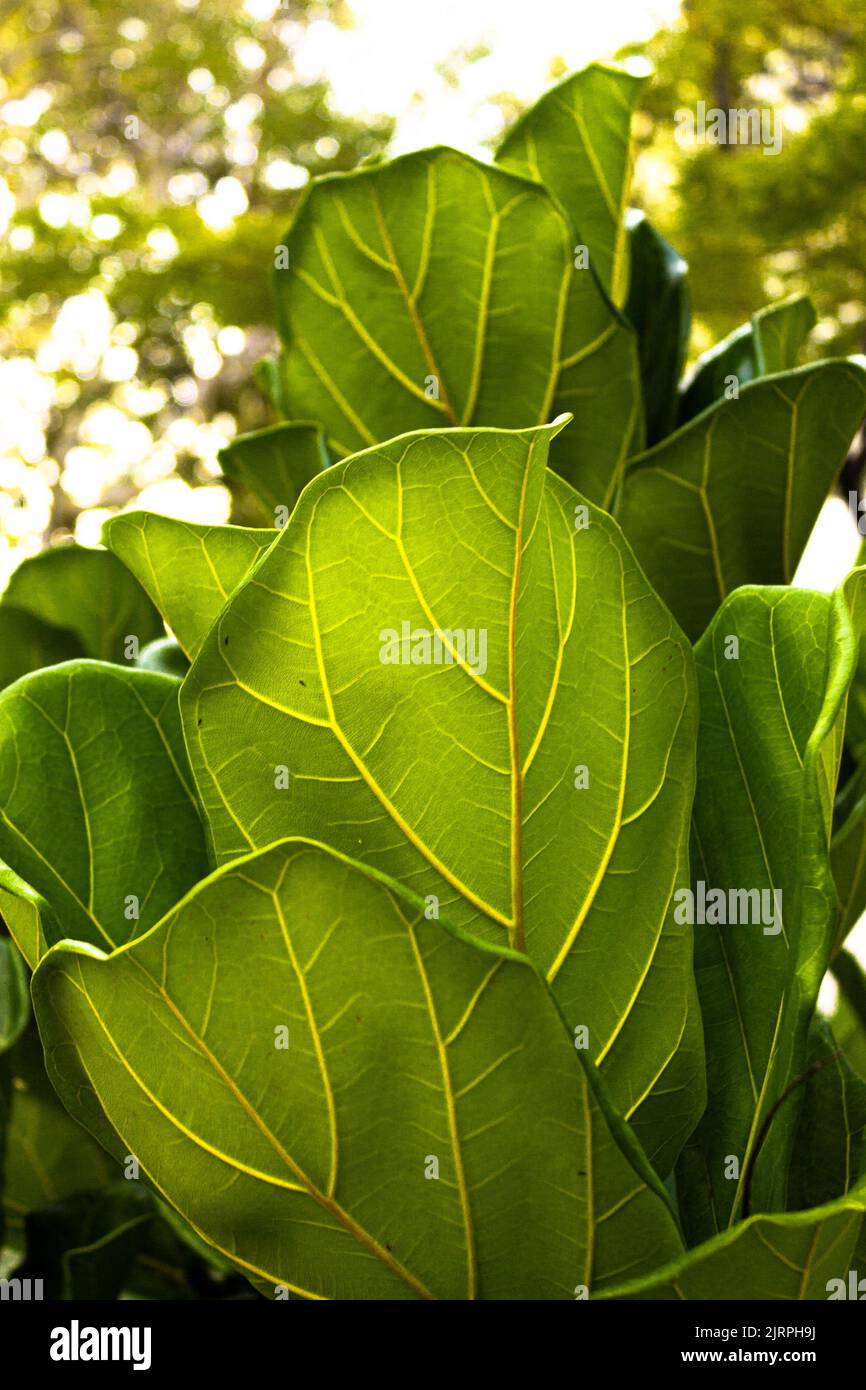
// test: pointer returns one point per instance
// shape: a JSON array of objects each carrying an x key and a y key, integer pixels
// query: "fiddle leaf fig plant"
[{"x": 427, "y": 893}]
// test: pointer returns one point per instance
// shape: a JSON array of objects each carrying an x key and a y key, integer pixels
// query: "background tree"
[
  {"x": 150, "y": 157},
  {"x": 755, "y": 227}
]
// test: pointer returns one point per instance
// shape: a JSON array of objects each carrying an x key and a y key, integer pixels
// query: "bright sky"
[{"x": 389, "y": 61}]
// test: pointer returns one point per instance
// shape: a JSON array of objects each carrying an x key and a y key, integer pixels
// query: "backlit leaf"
[
  {"x": 382, "y": 1151},
  {"x": 795, "y": 1256},
  {"x": 732, "y": 497},
  {"x": 538, "y": 790},
  {"x": 576, "y": 140},
  {"x": 437, "y": 291},
  {"x": 189, "y": 570}
]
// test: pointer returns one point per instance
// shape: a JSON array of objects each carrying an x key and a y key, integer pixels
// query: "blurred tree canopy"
[
  {"x": 150, "y": 157},
  {"x": 757, "y": 227}
]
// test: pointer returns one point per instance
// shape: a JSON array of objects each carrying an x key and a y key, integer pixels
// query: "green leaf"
[
  {"x": 773, "y": 671},
  {"x": 465, "y": 784},
  {"x": 189, "y": 570},
  {"x": 275, "y": 464},
  {"x": 659, "y": 307},
  {"x": 411, "y": 299},
  {"x": 8, "y": 1256},
  {"x": 435, "y": 290},
  {"x": 793, "y": 1256},
  {"x": 26, "y": 644},
  {"x": 830, "y": 1145},
  {"x": 848, "y": 857},
  {"x": 166, "y": 656},
  {"x": 14, "y": 995},
  {"x": 28, "y": 918},
  {"x": 779, "y": 333},
  {"x": 312, "y": 1165},
  {"x": 599, "y": 383},
  {"x": 770, "y": 343},
  {"x": 84, "y": 1246},
  {"x": 268, "y": 376},
  {"x": 855, "y": 727},
  {"x": 848, "y": 1020},
  {"x": 576, "y": 140},
  {"x": 88, "y": 593},
  {"x": 96, "y": 810},
  {"x": 49, "y": 1155},
  {"x": 732, "y": 497}
]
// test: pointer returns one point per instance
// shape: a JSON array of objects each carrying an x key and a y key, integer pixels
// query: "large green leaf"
[
  {"x": 88, "y": 593},
  {"x": 465, "y": 783},
  {"x": 659, "y": 307},
  {"x": 732, "y": 497},
  {"x": 26, "y": 644},
  {"x": 49, "y": 1155},
  {"x": 427, "y": 1117},
  {"x": 772, "y": 714},
  {"x": 793, "y": 1256},
  {"x": 411, "y": 299},
  {"x": 435, "y": 290},
  {"x": 275, "y": 464},
  {"x": 770, "y": 343},
  {"x": 577, "y": 141},
  {"x": 189, "y": 570},
  {"x": 97, "y": 813}
]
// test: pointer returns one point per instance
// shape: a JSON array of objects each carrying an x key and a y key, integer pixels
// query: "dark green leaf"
[
  {"x": 14, "y": 994},
  {"x": 276, "y": 464},
  {"x": 87, "y": 593},
  {"x": 26, "y": 644},
  {"x": 773, "y": 671},
  {"x": 49, "y": 1155},
  {"x": 165, "y": 656},
  {"x": 97, "y": 813},
  {"x": 732, "y": 497},
  {"x": 84, "y": 1246},
  {"x": 659, "y": 307},
  {"x": 770, "y": 343},
  {"x": 829, "y": 1155}
]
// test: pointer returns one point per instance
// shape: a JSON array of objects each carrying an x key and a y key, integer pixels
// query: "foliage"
[
  {"x": 754, "y": 227},
  {"x": 133, "y": 138},
  {"x": 439, "y": 909}
]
